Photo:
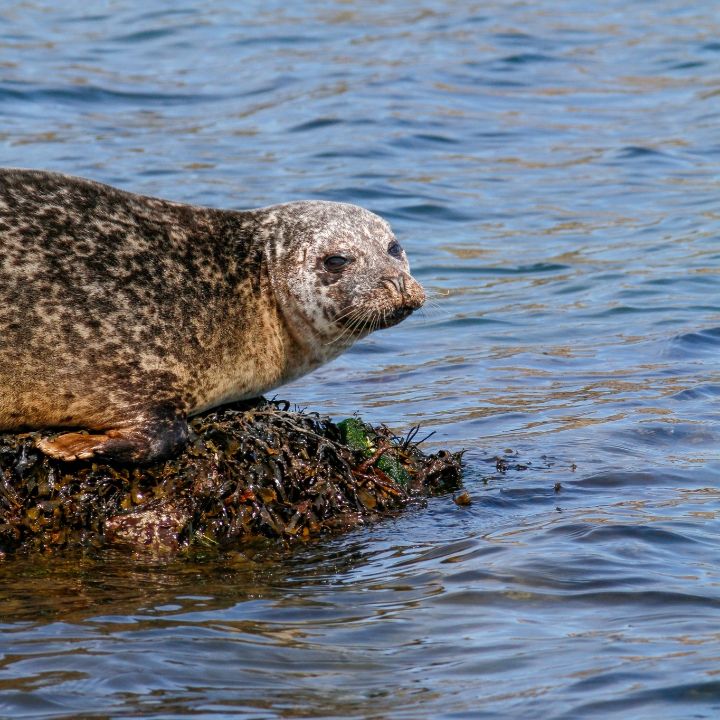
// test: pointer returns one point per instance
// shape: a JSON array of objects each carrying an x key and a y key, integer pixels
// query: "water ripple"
[
  {"x": 553, "y": 177},
  {"x": 97, "y": 95}
]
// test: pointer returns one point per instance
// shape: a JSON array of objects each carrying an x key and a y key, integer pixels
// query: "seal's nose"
[
  {"x": 409, "y": 289},
  {"x": 412, "y": 292},
  {"x": 415, "y": 292}
]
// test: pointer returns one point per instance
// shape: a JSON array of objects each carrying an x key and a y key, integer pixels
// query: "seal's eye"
[
  {"x": 335, "y": 263},
  {"x": 394, "y": 249}
]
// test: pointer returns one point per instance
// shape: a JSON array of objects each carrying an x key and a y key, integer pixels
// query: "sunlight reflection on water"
[{"x": 552, "y": 169}]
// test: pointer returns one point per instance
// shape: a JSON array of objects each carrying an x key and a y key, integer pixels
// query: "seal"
[{"x": 122, "y": 315}]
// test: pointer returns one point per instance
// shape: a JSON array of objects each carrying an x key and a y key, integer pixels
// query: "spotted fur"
[{"x": 123, "y": 314}]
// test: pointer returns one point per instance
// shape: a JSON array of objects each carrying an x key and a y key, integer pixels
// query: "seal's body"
[{"x": 123, "y": 314}]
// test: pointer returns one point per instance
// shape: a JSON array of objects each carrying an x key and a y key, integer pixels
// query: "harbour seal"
[{"x": 123, "y": 315}]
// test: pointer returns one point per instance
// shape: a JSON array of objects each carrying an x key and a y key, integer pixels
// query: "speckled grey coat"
[{"x": 124, "y": 314}]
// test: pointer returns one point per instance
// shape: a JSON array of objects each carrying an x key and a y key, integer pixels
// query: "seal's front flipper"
[{"x": 148, "y": 442}]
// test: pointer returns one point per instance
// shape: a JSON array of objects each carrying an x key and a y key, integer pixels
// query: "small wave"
[
  {"x": 690, "y": 693},
  {"x": 640, "y": 152},
  {"x": 144, "y": 35},
  {"x": 423, "y": 139},
  {"x": 95, "y": 95},
  {"x": 698, "y": 343},
  {"x": 582, "y": 532},
  {"x": 700, "y": 392},
  {"x": 690, "y": 65},
  {"x": 710, "y": 336},
  {"x": 607, "y": 480},
  {"x": 267, "y": 40},
  {"x": 429, "y": 210},
  {"x": 316, "y": 124},
  {"x": 514, "y": 37},
  {"x": 526, "y": 58},
  {"x": 362, "y": 153},
  {"x": 169, "y": 12},
  {"x": 354, "y": 194}
]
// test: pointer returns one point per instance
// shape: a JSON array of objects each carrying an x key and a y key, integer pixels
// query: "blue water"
[{"x": 553, "y": 170}]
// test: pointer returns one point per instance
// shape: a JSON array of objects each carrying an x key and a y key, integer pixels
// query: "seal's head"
[{"x": 339, "y": 271}]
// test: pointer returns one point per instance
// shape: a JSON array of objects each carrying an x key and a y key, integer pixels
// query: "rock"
[{"x": 248, "y": 472}]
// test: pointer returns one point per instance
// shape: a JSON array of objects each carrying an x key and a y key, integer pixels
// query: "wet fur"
[{"x": 125, "y": 314}]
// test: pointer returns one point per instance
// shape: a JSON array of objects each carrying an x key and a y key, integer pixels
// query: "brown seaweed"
[{"x": 248, "y": 472}]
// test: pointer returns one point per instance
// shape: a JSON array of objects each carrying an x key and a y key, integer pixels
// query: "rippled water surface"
[{"x": 552, "y": 169}]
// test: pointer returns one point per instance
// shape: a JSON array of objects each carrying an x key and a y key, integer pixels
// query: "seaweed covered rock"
[{"x": 247, "y": 472}]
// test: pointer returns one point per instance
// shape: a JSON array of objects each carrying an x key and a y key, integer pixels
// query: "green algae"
[{"x": 359, "y": 436}]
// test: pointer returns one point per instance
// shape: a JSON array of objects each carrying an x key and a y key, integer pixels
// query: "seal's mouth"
[
  {"x": 401, "y": 296},
  {"x": 395, "y": 316},
  {"x": 362, "y": 323}
]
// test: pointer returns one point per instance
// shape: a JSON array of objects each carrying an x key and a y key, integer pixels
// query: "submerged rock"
[{"x": 247, "y": 472}]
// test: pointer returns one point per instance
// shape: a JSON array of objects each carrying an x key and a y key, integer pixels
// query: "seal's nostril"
[
  {"x": 397, "y": 283},
  {"x": 392, "y": 283}
]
